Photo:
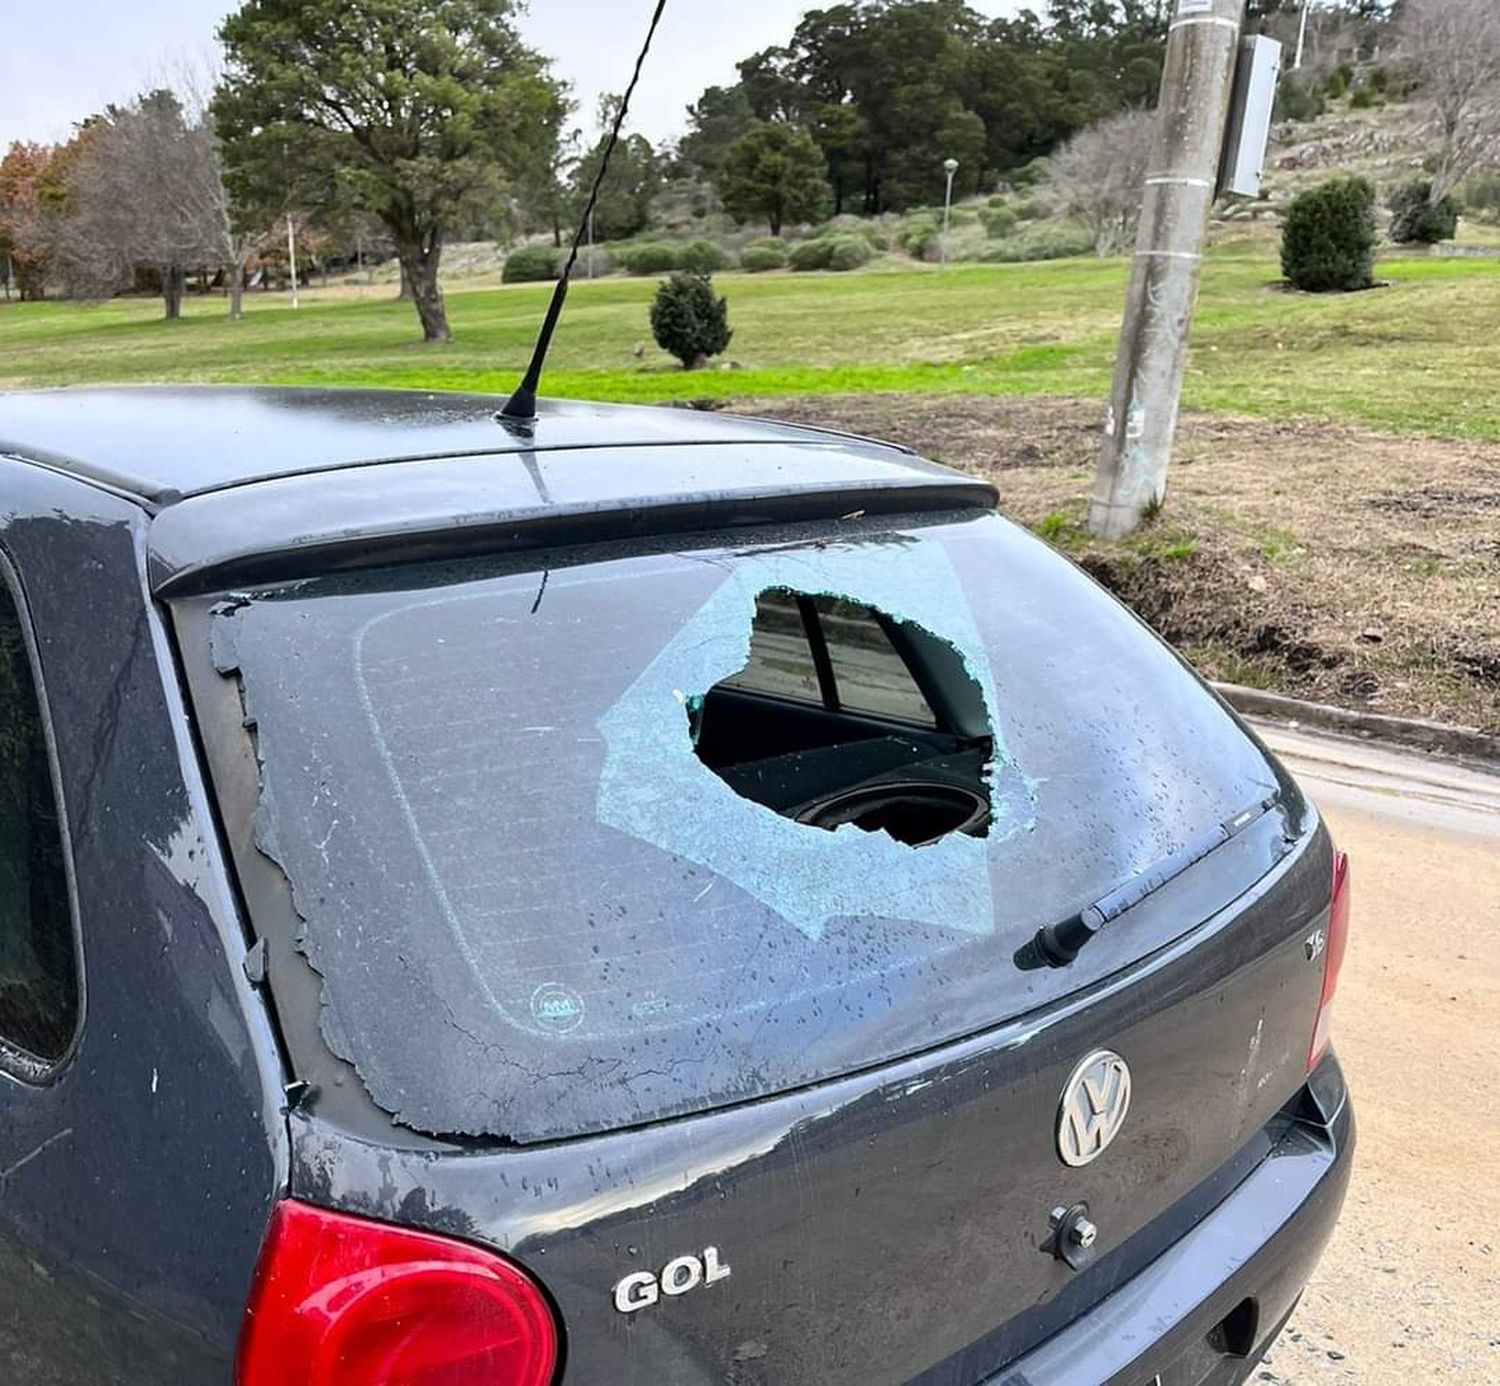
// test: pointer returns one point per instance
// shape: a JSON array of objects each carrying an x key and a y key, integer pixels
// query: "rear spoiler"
[{"x": 400, "y": 512}]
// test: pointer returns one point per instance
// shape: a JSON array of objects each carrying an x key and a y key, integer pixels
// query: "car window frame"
[{"x": 16, "y": 1061}]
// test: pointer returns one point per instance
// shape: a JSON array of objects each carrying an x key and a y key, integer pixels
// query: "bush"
[
  {"x": 703, "y": 257},
  {"x": 1028, "y": 175},
  {"x": 1417, "y": 220},
  {"x": 999, "y": 221},
  {"x": 838, "y": 253},
  {"x": 1059, "y": 241},
  {"x": 871, "y": 235},
  {"x": 1298, "y": 99},
  {"x": 1482, "y": 195},
  {"x": 1362, "y": 100},
  {"x": 812, "y": 255},
  {"x": 1328, "y": 240},
  {"x": 1378, "y": 80},
  {"x": 849, "y": 253},
  {"x": 917, "y": 235},
  {"x": 757, "y": 259},
  {"x": 1033, "y": 209},
  {"x": 531, "y": 264},
  {"x": 654, "y": 257},
  {"x": 604, "y": 262},
  {"x": 688, "y": 321}
]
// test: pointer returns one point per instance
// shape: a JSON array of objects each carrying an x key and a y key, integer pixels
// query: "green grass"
[{"x": 1415, "y": 357}]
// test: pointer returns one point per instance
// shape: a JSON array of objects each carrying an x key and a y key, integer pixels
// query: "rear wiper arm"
[{"x": 1059, "y": 944}]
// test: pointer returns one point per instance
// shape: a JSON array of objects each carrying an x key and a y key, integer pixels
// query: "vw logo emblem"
[{"x": 1094, "y": 1103}]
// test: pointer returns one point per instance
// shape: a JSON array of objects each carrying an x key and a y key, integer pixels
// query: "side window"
[
  {"x": 870, "y": 674},
  {"x": 38, "y": 963},
  {"x": 781, "y": 662},
  {"x": 864, "y": 672}
]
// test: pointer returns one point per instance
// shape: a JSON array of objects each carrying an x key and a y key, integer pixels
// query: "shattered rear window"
[{"x": 567, "y": 857}]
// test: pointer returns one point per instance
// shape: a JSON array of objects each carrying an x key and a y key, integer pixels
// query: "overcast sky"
[{"x": 67, "y": 58}]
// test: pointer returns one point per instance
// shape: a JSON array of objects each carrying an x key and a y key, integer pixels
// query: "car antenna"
[{"x": 521, "y": 406}]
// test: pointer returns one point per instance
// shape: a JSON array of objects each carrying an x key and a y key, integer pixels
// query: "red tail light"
[
  {"x": 341, "y": 1301},
  {"x": 1334, "y": 946}
]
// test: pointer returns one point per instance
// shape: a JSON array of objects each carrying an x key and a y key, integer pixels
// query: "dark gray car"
[{"x": 633, "y": 897}]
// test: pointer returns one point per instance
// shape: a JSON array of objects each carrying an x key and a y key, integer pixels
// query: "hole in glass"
[{"x": 845, "y": 715}]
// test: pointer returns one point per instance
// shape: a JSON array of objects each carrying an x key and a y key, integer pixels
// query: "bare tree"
[
  {"x": 144, "y": 192},
  {"x": 235, "y": 236},
  {"x": 1099, "y": 177},
  {"x": 1452, "y": 50}
]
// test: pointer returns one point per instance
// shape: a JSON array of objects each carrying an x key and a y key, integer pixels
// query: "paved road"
[{"x": 1409, "y": 1291}]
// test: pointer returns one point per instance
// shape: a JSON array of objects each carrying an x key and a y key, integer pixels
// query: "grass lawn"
[{"x": 1417, "y": 356}]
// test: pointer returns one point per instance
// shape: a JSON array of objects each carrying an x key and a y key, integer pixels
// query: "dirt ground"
[
  {"x": 1408, "y": 1291},
  {"x": 1309, "y": 558}
]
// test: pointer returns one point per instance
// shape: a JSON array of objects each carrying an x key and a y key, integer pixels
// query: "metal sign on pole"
[{"x": 1252, "y": 104}]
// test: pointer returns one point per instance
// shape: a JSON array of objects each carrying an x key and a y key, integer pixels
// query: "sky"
[{"x": 67, "y": 58}]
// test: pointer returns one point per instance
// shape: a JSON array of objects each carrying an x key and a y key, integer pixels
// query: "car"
[{"x": 632, "y": 896}]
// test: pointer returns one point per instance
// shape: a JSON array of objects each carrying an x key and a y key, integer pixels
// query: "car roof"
[
  {"x": 164, "y": 443},
  {"x": 248, "y": 483}
]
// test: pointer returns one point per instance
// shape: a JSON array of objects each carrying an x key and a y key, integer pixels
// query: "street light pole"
[
  {"x": 291, "y": 255},
  {"x": 950, "y": 167}
]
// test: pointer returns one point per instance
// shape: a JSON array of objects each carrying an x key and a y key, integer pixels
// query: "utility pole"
[
  {"x": 1202, "y": 47},
  {"x": 291, "y": 256},
  {"x": 1302, "y": 33}
]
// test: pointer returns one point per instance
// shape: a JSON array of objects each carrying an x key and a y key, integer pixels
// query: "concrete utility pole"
[{"x": 1202, "y": 47}]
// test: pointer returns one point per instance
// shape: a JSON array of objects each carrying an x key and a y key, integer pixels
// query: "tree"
[
  {"x": 634, "y": 177},
  {"x": 890, "y": 88},
  {"x": 542, "y": 190},
  {"x": 427, "y": 106},
  {"x": 775, "y": 172},
  {"x": 720, "y": 116},
  {"x": 1452, "y": 50},
  {"x": 1099, "y": 176},
  {"x": 688, "y": 321},
  {"x": 142, "y": 192},
  {"x": 24, "y": 192}
]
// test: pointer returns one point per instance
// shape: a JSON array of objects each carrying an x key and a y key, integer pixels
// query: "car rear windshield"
[{"x": 631, "y": 837}]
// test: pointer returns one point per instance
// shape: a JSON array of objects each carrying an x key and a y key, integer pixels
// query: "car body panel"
[
  {"x": 893, "y": 1224},
  {"x": 165, "y": 443},
  {"x": 137, "y": 1180}
]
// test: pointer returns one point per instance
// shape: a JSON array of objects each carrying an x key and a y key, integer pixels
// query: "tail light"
[
  {"x": 1335, "y": 943},
  {"x": 341, "y": 1301}
]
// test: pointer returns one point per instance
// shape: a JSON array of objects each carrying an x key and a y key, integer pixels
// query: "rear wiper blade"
[{"x": 1057, "y": 945}]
